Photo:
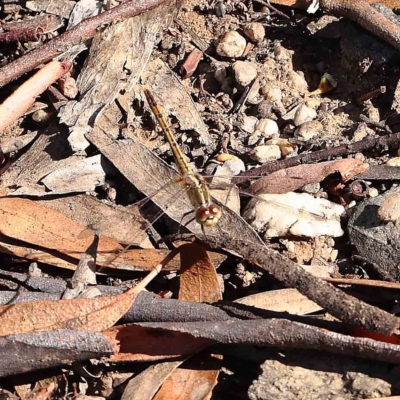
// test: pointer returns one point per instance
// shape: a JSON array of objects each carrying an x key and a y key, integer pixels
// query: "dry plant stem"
[
  {"x": 392, "y": 140},
  {"x": 23, "y": 98},
  {"x": 366, "y": 16},
  {"x": 79, "y": 34},
  {"x": 342, "y": 306}
]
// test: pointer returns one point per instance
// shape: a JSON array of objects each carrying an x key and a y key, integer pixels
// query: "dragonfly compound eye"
[{"x": 208, "y": 216}]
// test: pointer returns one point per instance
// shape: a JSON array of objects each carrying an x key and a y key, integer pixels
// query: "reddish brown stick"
[
  {"x": 80, "y": 33},
  {"x": 20, "y": 101}
]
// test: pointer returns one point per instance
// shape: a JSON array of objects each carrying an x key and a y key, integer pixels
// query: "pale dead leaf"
[{"x": 283, "y": 300}]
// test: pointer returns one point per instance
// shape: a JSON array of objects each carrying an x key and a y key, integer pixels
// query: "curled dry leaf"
[
  {"x": 145, "y": 385},
  {"x": 290, "y": 179}
]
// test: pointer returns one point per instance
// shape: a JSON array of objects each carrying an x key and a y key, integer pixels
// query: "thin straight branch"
[
  {"x": 392, "y": 140},
  {"x": 78, "y": 34},
  {"x": 284, "y": 334}
]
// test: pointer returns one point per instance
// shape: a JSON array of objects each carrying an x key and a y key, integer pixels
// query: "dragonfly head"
[{"x": 208, "y": 216}]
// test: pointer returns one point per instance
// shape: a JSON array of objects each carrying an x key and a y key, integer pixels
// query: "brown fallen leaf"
[
  {"x": 145, "y": 385},
  {"x": 198, "y": 282},
  {"x": 27, "y": 221},
  {"x": 290, "y": 179},
  {"x": 91, "y": 314}
]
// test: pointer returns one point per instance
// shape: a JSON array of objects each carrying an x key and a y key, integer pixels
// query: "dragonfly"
[{"x": 210, "y": 216}]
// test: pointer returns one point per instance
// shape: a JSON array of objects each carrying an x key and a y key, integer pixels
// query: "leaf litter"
[{"x": 111, "y": 117}]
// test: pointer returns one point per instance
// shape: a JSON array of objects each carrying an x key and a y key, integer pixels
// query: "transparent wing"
[
  {"x": 222, "y": 183},
  {"x": 146, "y": 224}
]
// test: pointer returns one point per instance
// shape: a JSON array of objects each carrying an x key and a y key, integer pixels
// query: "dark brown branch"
[
  {"x": 348, "y": 309},
  {"x": 284, "y": 334},
  {"x": 79, "y": 34},
  {"x": 366, "y": 16},
  {"x": 392, "y": 140}
]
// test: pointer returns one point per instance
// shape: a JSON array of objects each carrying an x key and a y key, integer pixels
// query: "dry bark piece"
[
  {"x": 375, "y": 240},
  {"x": 80, "y": 33},
  {"x": 137, "y": 343},
  {"x": 79, "y": 175},
  {"x": 294, "y": 214},
  {"x": 18, "y": 143},
  {"x": 125, "y": 46},
  {"x": 171, "y": 95},
  {"x": 35, "y": 350},
  {"x": 290, "y": 179}
]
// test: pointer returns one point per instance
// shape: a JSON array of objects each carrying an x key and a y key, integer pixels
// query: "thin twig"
[
  {"x": 367, "y": 143},
  {"x": 79, "y": 34}
]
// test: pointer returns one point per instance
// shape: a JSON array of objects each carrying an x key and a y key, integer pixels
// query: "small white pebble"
[
  {"x": 267, "y": 127},
  {"x": 373, "y": 192},
  {"x": 255, "y": 31},
  {"x": 308, "y": 130},
  {"x": 361, "y": 132},
  {"x": 285, "y": 146},
  {"x": 231, "y": 45},
  {"x": 304, "y": 114},
  {"x": 249, "y": 124},
  {"x": 389, "y": 210},
  {"x": 281, "y": 54},
  {"x": 394, "y": 162},
  {"x": 245, "y": 72},
  {"x": 296, "y": 81},
  {"x": 359, "y": 156},
  {"x": 265, "y": 153},
  {"x": 272, "y": 93}
]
